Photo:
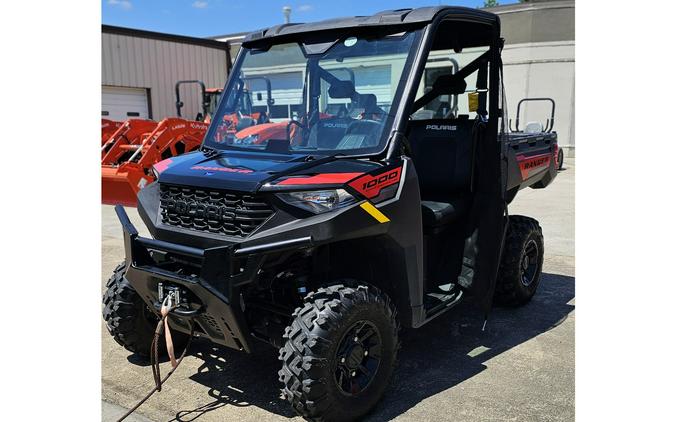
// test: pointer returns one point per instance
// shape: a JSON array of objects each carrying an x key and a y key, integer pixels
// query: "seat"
[
  {"x": 534, "y": 127},
  {"x": 436, "y": 214},
  {"x": 327, "y": 133},
  {"x": 366, "y": 108},
  {"x": 442, "y": 154},
  {"x": 361, "y": 134}
]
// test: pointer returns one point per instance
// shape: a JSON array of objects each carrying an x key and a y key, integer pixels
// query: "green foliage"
[{"x": 491, "y": 3}]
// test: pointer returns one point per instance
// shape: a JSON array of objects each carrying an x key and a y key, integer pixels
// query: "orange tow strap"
[
  {"x": 164, "y": 311},
  {"x": 154, "y": 352}
]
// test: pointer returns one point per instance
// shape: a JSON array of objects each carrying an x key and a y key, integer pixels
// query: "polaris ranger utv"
[{"x": 383, "y": 204}]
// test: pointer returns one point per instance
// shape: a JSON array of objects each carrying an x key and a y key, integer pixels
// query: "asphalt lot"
[{"x": 521, "y": 368}]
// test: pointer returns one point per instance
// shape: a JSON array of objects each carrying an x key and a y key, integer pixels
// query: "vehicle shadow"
[{"x": 433, "y": 358}]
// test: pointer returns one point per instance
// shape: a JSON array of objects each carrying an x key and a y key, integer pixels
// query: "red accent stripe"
[
  {"x": 523, "y": 161},
  {"x": 320, "y": 179},
  {"x": 370, "y": 185}
]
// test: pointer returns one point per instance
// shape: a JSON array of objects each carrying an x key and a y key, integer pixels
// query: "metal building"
[
  {"x": 140, "y": 68},
  {"x": 539, "y": 61}
]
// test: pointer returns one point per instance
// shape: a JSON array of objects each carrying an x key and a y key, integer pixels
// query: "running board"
[{"x": 445, "y": 303}]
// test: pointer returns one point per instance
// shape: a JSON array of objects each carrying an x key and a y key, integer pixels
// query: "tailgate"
[{"x": 529, "y": 157}]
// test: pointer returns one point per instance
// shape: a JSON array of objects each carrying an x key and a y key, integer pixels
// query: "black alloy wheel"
[{"x": 358, "y": 358}]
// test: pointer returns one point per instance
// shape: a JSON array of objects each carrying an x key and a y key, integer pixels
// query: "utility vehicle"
[{"x": 382, "y": 203}]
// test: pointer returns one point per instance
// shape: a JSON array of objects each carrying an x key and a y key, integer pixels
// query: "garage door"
[{"x": 124, "y": 103}]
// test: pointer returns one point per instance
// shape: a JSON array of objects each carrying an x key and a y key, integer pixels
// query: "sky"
[{"x": 204, "y": 18}]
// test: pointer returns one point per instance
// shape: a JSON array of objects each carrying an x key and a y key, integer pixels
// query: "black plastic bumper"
[{"x": 213, "y": 284}]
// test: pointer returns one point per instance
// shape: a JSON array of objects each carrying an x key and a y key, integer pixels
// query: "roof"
[
  {"x": 139, "y": 33},
  {"x": 231, "y": 38},
  {"x": 387, "y": 18}
]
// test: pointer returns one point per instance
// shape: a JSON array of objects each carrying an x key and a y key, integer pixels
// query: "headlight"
[{"x": 319, "y": 201}]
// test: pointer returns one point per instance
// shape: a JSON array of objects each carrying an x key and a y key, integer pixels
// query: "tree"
[{"x": 490, "y": 3}]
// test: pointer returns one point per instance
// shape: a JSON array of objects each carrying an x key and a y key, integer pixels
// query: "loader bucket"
[
  {"x": 121, "y": 187},
  {"x": 127, "y": 167}
]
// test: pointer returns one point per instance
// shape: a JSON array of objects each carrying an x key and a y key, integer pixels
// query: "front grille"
[{"x": 214, "y": 211}]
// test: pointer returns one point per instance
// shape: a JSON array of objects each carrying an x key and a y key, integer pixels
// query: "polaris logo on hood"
[{"x": 441, "y": 127}]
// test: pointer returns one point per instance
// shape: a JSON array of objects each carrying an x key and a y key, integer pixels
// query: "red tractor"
[{"x": 129, "y": 152}]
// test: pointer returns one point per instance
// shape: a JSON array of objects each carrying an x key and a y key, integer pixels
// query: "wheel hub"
[
  {"x": 529, "y": 263},
  {"x": 357, "y": 358}
]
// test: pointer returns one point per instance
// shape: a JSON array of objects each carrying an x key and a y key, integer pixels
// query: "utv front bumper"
[{"x": 210, "y": 280}]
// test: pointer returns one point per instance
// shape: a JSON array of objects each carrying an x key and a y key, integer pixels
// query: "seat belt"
[{"x": 481, "y": 86}]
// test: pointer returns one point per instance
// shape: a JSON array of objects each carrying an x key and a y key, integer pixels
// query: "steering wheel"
[
  {"x": 263, "y": 118},
  {"x": 294, "y": 122}
]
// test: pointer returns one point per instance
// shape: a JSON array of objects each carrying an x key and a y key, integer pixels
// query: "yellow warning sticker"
[{"x": 374, "y": 212}]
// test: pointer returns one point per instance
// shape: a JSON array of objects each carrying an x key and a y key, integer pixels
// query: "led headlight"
[{"x": 319, "y": 201}]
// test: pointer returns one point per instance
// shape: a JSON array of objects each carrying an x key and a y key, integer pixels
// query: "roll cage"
[{"x": 428, "y": 20}]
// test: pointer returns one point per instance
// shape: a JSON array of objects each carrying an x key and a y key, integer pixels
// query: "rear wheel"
[
  {"x": 560, "y": 159},
  {"x": 129, "y": 320},
  {"x": 339, "y": 353},
  {"x": 522, "y": 259}
]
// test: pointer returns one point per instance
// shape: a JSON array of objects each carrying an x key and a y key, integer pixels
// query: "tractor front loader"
[
  {"x": 128, "y": 154},
  {"x": 128, "y": 168},
  {"x": 126, "y": 139},
  {"x": 108, "y": 127}
]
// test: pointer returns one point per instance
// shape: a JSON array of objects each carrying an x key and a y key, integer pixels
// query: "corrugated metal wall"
[{"x": 137, "y": 62}]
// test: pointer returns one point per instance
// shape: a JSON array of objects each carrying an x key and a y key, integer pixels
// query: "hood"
[{"x": 246, "y": 171}]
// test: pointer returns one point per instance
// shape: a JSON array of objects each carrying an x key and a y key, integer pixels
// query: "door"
[{"x": 124, "y": 103}]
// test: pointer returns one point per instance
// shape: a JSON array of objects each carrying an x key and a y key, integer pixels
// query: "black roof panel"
[{"x": 388, "y": 18}]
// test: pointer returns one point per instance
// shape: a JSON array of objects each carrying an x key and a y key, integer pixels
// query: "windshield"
[{"x": 338, "y": 100}]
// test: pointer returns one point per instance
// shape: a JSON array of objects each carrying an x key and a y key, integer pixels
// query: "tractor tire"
[
  {"x": 521, "y": 264},
  {"x": 340, "y": 352},
  {"x": 561, "y": 156},
  {"x": 129, "y": 320}
]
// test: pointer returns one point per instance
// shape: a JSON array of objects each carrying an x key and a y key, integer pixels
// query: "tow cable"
[{"x": 162, "y": 325}]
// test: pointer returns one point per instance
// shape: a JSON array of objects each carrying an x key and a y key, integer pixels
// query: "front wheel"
[
  {"x": 339, "y": 353},
  {"x": 129, "y": 320}
]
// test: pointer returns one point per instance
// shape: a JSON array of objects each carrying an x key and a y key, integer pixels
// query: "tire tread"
[
  {"x": 309, "y": 337},
  {"x": 507, "y": 291}
]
